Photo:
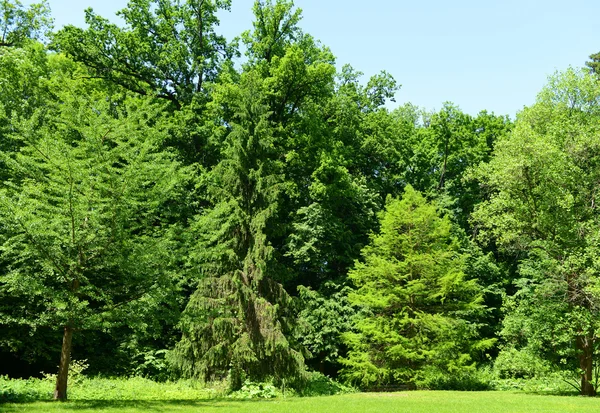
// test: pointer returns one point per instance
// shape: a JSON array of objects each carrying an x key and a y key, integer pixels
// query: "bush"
[
  {"x": 318, "y": 384},
  {"x": 520, "y": 364},
  {"x": 313, "y": 384},
  {"x": 432, "y": 378},
  {"x": 253, "y": 390},
  {"x": 19, "y": 390},
  {"x": 553, "y": 383}
]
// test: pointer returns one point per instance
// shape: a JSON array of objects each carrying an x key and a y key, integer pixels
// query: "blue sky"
[{"x": 493, "y": 55}]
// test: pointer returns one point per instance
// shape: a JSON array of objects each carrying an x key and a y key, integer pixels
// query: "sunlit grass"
[{"x": 413, "y": 402}]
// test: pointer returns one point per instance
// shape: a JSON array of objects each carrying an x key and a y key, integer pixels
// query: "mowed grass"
[{"x": 413, "y": 402}]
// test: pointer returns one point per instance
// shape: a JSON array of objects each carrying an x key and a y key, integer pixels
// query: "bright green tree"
[
  {"x": 417, "y": 299},
  {"x": 542, "y": 185},
  {"x": 86, "y": 217},
  {"x": 168, "y": 49}
]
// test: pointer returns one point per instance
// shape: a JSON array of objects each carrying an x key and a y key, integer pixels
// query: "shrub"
[
  {"x": 432, "y": 378},
  {"x": 254, "y": 390},
  {"x": 553, "y": 383},
  {"x": 520, "y": 364},
  {"x": 317, "y": 384}
]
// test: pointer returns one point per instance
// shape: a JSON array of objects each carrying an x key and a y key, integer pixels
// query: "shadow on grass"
[
  {"x": 562, "y": 393},
  {"x": 146, "y": 405}
]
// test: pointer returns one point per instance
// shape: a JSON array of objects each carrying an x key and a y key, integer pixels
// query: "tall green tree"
[
  {"x": 256, "y": 188},
  {"x": 239, "y": 318},
  {"x": 542, "y": 184},
  {"x": 417, "y": 299},
  {"x": 87, "y": 231},
  {"x": 168, "y": 49}
]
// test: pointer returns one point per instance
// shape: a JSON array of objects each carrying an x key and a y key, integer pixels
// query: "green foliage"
[
  {"x": 417, "y": 298},
  {"x": 594, "y": 63},
  {"x": 542, "y": 184},
  {"x": 252, "y": 390},
  {"x": 85, "y": 216},
  {"x": 98, "y": 388},
  {"x": 317, "y": 384},
  {"x": 18, "y": 23},
  {"x": 76, "y": 369},
  {"x": 275, "y": 28},
  {"x": 434, "y": 378},
  {"x": 561, "y": 383},
  {"x": 167, "y": 48},
  {"x": 88, "y": 216},
  {"x": 20, "y": 391},
  {"x": 239, "y": 316},
  {"x": 103, "y": 231},
  {"x": 520, "y": 364},
  {"x": 325, "y": 318}
]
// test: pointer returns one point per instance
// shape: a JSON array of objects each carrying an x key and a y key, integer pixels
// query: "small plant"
[
  {"x": 19, "y": 390},
  {"x": 76, "y": 369},
  {"x": 253, "y": 390}
]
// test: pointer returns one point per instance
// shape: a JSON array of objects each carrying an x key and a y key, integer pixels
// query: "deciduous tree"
[
  {"x": 542, "y": 184},
  {"x": 85, "y": 218}
]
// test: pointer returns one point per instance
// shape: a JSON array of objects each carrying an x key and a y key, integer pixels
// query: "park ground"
[{"x": 413, "y": 402}]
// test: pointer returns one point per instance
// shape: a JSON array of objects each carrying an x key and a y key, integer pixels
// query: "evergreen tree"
[
  {"x": 239, "y": 318},
  {"x": 417, "y": 300}
]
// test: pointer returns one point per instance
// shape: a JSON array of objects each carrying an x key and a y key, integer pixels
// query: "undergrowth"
[{"x": 138, "y": 388}]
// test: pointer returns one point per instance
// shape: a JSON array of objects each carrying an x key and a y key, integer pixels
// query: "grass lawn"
[{"x": 413, "y": 402}]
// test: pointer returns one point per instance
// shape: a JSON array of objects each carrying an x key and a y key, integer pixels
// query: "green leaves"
[
  {"x": 84, "y": 211},
  {"x": 542, "y": 184},
  {"x": 19, "y": 24},
  {"x": 168, "y": 49}
]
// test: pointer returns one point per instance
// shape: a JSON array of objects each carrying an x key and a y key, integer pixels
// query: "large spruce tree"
[{"x": 238, "y": 319}]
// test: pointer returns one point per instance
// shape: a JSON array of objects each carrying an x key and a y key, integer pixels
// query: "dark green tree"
[
  {"x": 323, "y": 318},
  {"x": 594, "y": 63},
  {"x": 239, "y": 318}
]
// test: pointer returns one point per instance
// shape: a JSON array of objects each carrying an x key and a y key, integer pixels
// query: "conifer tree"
[
  {"x": 238, "y": 319},
  {"x": 412, "y": 288}
]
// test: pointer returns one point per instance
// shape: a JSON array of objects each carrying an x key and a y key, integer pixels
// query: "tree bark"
[
  {"x": 585, "y": 344},
  {"x": 60, "y": 392}
]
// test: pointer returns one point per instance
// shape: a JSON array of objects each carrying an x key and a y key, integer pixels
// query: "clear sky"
[{"x": 480, "y": 54}]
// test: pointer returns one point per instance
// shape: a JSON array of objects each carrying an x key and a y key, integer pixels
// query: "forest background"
[{"x": 167, "y": 213}]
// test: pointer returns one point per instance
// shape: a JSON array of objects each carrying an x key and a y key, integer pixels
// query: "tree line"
[{"x": 167, "y": 212}]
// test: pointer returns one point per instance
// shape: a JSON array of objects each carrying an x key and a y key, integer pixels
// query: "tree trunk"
[
  {"x": 585, "y": 345},
  {"x": 60, "y": 392}
]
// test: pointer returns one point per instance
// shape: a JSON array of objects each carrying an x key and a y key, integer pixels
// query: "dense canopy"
[{"x": 166, "y": 212}]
